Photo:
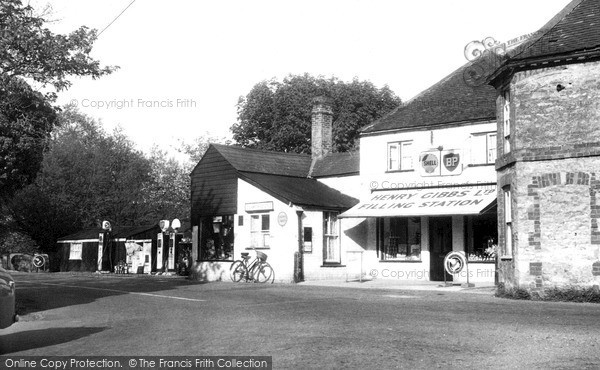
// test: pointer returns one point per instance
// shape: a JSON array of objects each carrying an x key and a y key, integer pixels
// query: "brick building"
[{"x": 548, "y": 164}]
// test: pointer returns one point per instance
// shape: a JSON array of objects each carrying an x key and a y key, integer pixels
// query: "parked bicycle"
[{"x": 258, "y": 270}]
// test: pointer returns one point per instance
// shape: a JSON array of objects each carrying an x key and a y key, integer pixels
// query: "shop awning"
[{"x": 441, "y": 201}]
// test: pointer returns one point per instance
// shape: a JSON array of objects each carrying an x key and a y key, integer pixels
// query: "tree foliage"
[
  {"x": 89, "y": 175},
  {"x": 277, "y": 115},
  {"x": 30, "y": 53},
  {"x": 29, "y": 50}
]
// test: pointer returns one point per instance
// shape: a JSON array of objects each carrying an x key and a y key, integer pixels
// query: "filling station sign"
[{"x": 422, "y": 202}]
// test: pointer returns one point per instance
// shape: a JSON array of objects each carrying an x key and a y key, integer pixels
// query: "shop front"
[{"x": 415, "y": 229}]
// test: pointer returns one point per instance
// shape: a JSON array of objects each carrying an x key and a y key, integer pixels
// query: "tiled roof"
[
  {"x": 456, "y": 98},
  {"x": 129, "y": 231},
  {"x": 262, "y": 161},
  {"x": 575, "y": 28},
  {"x": 337, "y": 164},
  {"x": 303, "y": 192},
  {"x": 91, "y": 233}
]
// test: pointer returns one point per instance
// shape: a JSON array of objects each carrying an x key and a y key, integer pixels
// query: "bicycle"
[{"x": 258, "y": 270}]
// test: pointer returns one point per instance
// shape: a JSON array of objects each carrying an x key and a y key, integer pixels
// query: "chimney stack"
[{"x": 322, "y": 121}]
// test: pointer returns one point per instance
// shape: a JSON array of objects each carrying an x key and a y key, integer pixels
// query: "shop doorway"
[{"x": 440, "y": 244}]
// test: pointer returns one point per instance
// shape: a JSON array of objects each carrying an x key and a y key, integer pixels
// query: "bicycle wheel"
[
  {"x": 264, "y": 273},
  {"x": 237, "y": 271}
]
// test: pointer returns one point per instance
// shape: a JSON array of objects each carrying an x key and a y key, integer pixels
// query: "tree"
[
  {"x": 87, "y": 176},
  {"x": 32, "y": 54},
  {"x": 277, "y": 115},
  {"x": 29, "y": 50},
  {"x": 167, "y": 194}
]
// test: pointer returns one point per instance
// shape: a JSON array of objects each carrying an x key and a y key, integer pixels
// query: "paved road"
[{"x": 300, "y": 326}]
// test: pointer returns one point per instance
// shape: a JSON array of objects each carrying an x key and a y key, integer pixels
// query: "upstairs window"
[
  {"x": 483, "y": 148},
  {"x": 506, "y": 118},
  {"x": 399, "y": 156}
]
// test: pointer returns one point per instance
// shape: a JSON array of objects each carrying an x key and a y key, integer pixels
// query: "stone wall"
[
  {"x": 553, "y": 171},
  {"x": 555, "y": 113},
  {"x": 557, "y": 239}
]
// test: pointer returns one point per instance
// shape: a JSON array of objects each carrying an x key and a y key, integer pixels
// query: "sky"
[{"x": 185, "y": 63}]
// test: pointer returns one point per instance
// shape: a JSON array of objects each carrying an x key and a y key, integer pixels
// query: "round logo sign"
[
  {"x": 429, "y": 162},
  {"x": 455, "y": 262},
  {"x": 282, "y": 218},
  {"x": 39, "y": 261}
]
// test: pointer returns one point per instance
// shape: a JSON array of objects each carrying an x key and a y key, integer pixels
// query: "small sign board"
[{"x": 259, "y": 206}]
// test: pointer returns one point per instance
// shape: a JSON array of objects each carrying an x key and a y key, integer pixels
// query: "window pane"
[
  {"x": 478, "y": 149},
  {"x": 331, "y": 243},
  {"x": 392, "y": 157},
  {"x": 406, "y": 153},
  {"x": 254, "y": 223},
  {"x": 265, "y": 223},
  {"x": 402, "y": 238},
  {"x": 507, "y": 206},
  {"x": 508, "y": 240},
  {"x": 491, "y": 148}
]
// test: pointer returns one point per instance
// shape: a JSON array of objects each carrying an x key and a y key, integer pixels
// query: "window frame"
[
  {"x": 75, "y": 254},
  {"x": 216, "y": 238},
  {"x": 265, "y": 234},
  {"x": 490, "y": 142},
  {"x": 331, "y": 233},
  {"x": 507, "y": 121},
  {"x": 386, "y": 234},
  {"x": 401, "y": 156},
  {"x": 507, "y": 250}
]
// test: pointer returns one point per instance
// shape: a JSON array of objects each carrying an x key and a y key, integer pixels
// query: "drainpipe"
[{"x": 300, "y": 260}]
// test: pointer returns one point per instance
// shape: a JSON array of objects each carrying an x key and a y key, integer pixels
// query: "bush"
[
  {"x": 568, "y": 294},
  {"x": 512, "y": 293},
  {"x": 572, "y": 294}
]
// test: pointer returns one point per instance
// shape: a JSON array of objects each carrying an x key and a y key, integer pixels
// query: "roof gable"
[
  {"x": 575, "y": 28},
  {"x": 456, "y": 98},
  {"x": 303, "y": 192},
  {"x": 262, "y": 161}
]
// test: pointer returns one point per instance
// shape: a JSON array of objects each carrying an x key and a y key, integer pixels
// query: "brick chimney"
[{"x": 322, "y": 120}]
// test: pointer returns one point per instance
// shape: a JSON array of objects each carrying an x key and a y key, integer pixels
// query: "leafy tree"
[
  {"x": 32, "y": 54},
  {"x": 87, "y": 176},
  {"x": 167, "y": 194},
  {"x": 29, "y": 50},
  {"x": 277, "y": 115}
]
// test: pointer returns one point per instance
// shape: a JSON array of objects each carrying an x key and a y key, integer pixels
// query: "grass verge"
[{"x": 568, "y": 294}]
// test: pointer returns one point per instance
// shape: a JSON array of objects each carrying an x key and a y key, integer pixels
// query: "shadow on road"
[
  {"x": 21, "y": 341},
  {"x": 45, "y": 292}
]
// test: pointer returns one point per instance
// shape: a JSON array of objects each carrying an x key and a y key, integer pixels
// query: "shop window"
[
  {"x": 481, "y": 237},
  {"x": 75, "y": 251},
  {"x": 216, "y": 241},
  {"x": 400, "y": 156},
  {"x": 483, "y": 148},
  {"x": 260, "y": 236},
  {"x": 331, "y": 238},
  {"x": 400, "y": 239},
  {"x": 506, "y": 118},
  {"x": 507, "y": 252}
]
